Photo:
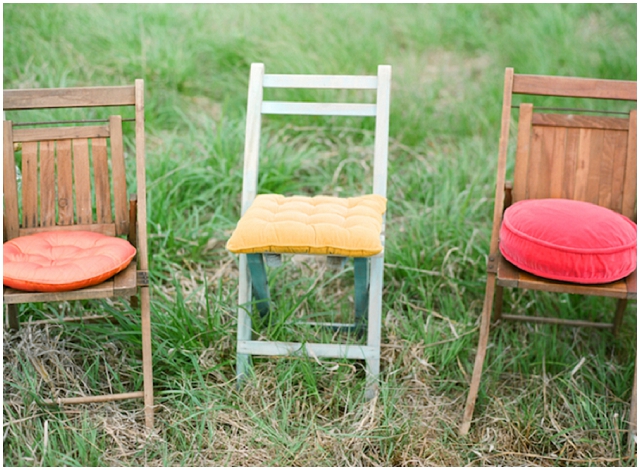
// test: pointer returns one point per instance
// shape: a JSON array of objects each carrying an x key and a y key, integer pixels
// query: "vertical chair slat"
[
  {"x": 119, "y": 176},
  {"x": 47, "y": 184},
  {"x": 617, "y": 172},
  {"x": 582, "y": 165},
  {"x": 570, "y": 162},
  {"x": 10, "y": 187},
  {"x": 101, "y": 178},
  {"x": 523, "y": 150},
  {"x": 82, "y": 175},
  {"x": 593, "y": 178},
  {"x": 30, "y": 184},
  {"x": 614, "y": 145},
  {"x": 557, "y": 158},
  {"x": 534, "y": 168},
  {"x": 629, "y": 195},
  {"x": 65, "y": 182}
]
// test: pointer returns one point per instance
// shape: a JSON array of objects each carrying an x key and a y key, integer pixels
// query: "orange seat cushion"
[
  {"x": 63, "y": 260},
  {"x": 320, "y": 225}
]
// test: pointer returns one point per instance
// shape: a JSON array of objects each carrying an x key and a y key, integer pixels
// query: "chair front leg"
[{"x": 259, "y": 283}]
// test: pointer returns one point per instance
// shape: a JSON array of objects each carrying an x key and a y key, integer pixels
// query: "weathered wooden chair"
[
  {"x": 583, "y": 157},
  {"x": 298, "y": 236},
  {"x": 64, "y": 169}
]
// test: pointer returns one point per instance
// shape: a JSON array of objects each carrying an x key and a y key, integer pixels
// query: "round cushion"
[
  {"x": 569, "y": 240},
  {"x": 63, "y": 260}
]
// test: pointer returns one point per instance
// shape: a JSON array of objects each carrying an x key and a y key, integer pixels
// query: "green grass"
[{"x": 550, "y": 396}]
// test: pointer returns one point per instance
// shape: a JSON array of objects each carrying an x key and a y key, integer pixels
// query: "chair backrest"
[
  {"x": 586, "y": 157},
  {"x": 256, "y": 107},
  {"x": 72, "y": 177}
]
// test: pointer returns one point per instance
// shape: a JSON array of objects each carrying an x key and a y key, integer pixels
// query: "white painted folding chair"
[{"x": 368, "y": 265}]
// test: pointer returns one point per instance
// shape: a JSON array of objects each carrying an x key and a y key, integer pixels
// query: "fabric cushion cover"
[
  {"x": 58, "y": 261},
  {"x": 569, "y": 240},
  {"x": 321, "y": 225}
]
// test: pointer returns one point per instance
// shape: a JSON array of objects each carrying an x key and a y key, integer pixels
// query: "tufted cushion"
[
  {"x": 320, "y": 225},
  {"x": 63, "y": 260},
  {"x": 569, "y": 240}
]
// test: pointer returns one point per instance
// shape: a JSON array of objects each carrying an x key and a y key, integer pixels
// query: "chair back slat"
[
  {"x": 57, "y": 133},
  {"x": 68, "y": 97},
  {"x": 119, "y": 177},
  {"x": 574, "y": 87},
  {"x": 344, "y": 82},
  {"x": 30, "y": 184},
  {"x": 101, "y": 179},
  {"x": 47, "y": 184},
  {"x": 65, "y": 182},
  {"x": 82, "y": 178}
]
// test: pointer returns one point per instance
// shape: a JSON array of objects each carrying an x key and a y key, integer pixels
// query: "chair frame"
[
  {"x": 501, "y": 273},
  {"x": 55, "y": 208},
  {"x": 368, "y": 271}
]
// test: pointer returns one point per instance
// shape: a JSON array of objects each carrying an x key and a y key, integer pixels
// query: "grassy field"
[{"x": 550, "y": 396}]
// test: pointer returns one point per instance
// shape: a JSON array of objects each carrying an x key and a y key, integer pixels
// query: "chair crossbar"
[
  {"x": 94, "y": 399},
  {"x": 557, "y": 321},
  {"x": 345, "y": 82},
  {"x": 279, "y": 348},
  {"x": 318, "y": 109}
]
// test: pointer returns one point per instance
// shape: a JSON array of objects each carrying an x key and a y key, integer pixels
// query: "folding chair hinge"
[
  {"x": 492, "y": 264},
  {"x": 142, "y": 278}
]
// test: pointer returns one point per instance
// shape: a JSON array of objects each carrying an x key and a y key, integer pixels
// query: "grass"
[{"x": 550, "y": 396}]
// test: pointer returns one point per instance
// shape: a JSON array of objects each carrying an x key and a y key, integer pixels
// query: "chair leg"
[
  {"x": 498, "y": 303},
  {"x": 617, "y": 319},
  {"x": 485, "y": 323},
  {"x": 361, "y": 275},
  {"x": 374, "y": 325},
  {"x": 244, "y": 320},
  {"x": 633, "y": 417},
  {"x": 259, "y": 282},
  {"x": 147, "y": 365},
  {"x": 12, "y": 312}
]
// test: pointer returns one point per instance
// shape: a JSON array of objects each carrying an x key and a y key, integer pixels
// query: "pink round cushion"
[
  {"x": 64, "y": 260},
  {"x": 569, "y": 240}
]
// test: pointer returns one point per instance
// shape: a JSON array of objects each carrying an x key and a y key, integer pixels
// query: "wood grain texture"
[
  {"x": 523, "y": 150},
  {"x": 580, "y": 121},
  {"x": 30, "y": 184},
  {"x": 65, "y": 182},
  {"x": 101, "y": 177},
  {"x": 57, "y": 133},
  {"x": 574, "y": 87},
  {"x": 68, "y": 97},
  {"x": 119, "y": 177},
  {"x": 47, "y": 184},
  {"x": 82, "y": 180}
]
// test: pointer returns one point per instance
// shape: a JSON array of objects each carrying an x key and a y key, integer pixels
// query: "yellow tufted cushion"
[{"x": 320, "y": 225}]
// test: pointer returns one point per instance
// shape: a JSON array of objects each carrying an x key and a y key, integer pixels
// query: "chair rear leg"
[
  {"x": 259, "y": 283},
  {"x": 147, "y": 365},
  {"x": 498, "y": 303},
  {"x": 485, "y": 323},
  {"x": 374, "y": 325},
  {"x": 361, "y": 278},
  {"x": 633, "y": 417},
  {"x": 617, "y": 319},
  {"x": 12, "y": 313}
]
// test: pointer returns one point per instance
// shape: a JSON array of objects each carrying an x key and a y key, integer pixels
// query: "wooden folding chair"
[
  {"x": 588, "y": 157},
  {"x": 65, "y": 184},
  {"x": 368, "y": 270}
]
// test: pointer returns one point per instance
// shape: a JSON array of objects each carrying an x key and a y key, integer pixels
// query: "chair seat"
[
  {"x": 320, "y": 225},
  {"x": 56, "y": 261}
]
